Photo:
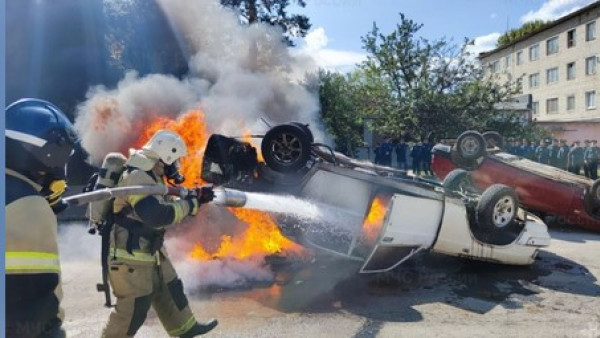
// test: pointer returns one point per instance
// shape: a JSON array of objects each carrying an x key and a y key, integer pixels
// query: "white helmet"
[{"x": 167, "y": 145}]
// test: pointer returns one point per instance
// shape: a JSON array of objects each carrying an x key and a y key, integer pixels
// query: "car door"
[{"x": 411, "y": 224}]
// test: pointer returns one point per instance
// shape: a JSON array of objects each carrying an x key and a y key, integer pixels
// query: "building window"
[
  {"x": 571, "y": 38},
  {"x": 590, "y": 65},
  {"x": 570, "y": 102},
  {"x": 534, "y": 52},
  {"x": 507, "y": 62},
  {"x": 535, "y": 107},
  {"x": 552, "y": 106},
  {"x": 520, "y": 85},
  {"x": 570, "y": 71},
  {"x": 494, "y": 67},
  {"x": 534, "y": 80},
  {"x": 590, "y": 31},
  {"x": 552, "y": 75},
  {"x": 552, "y": 46},
  {"x": 590, "y": 100},
  {"x": 520, "y": 57}
]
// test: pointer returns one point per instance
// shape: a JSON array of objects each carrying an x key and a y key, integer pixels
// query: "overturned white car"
[{"x": 395, "y": 215}]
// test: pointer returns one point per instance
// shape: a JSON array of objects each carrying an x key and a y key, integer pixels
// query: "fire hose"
[{"x": 223, "y": 196}]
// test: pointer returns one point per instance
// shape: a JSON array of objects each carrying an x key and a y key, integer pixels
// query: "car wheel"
[
  {"x": 497, "y": 208},
  {"x": 493, "y": 139},
  {"x": 458, "y": 180},
  {"x": 595, "y": 193},
  {"x": 306, "y": 129},
  {"x": 470, "y": 145},
  {"x": 286, "y": 148}
]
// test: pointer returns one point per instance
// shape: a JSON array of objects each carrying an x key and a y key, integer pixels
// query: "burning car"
[
  {"x": 380, "y": 216},
  {"x": 541, "y": 188}
]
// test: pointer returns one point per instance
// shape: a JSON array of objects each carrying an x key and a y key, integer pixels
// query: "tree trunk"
[{"x": 251, "y": 9}]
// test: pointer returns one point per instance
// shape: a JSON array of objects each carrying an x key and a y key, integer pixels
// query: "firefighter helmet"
[
  {"x": 167, "y": 146},
  {"x": 39, "y": 140}
]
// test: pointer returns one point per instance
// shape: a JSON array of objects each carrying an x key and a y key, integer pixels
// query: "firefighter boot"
[{"x": 200, "y": 328}]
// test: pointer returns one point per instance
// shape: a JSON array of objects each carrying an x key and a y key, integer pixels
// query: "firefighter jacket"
[
  {"x": 31, "y": 228},
  {"x": 33, "y": 290},
  {"x": 141, "y": 220}
]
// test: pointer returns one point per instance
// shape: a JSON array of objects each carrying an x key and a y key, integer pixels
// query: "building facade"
[{"x": 559, "y": 67}]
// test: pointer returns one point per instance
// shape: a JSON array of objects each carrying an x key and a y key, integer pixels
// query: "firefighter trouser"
[
  {"x": 32, "y": 306},
  {"x": 137, "y": 287}
]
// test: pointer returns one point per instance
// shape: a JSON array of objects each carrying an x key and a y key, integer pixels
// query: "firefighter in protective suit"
[
  {"x": 140, "y": 271},
  {"x": 39, "y": 142}
]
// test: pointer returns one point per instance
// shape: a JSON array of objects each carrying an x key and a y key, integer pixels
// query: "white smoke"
[{"x": 237, "y": 74}]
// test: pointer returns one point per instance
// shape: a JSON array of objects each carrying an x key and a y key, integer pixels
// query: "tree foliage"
[
  {"x": 436, "y": 87},
  {"x": 517, "y": 33},
  {"x": 416, "y": 88},
  {"x": 273, "y": 12},
  {"x": 339, "y": 109}
]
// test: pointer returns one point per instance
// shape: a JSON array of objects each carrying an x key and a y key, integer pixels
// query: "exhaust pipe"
[{"x": 229, "y": 197}]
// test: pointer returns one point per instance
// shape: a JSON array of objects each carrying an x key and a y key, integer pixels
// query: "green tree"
[
  {"x": 273, "y": 12},
  {"x": 340, "y": 110},
  {"x": 434, "y": 87},
  {"x": 517, "y": 33}
]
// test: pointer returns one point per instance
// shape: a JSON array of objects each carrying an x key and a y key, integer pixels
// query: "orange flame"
[
  {"x": 262, "y": 237},
  {"x": 374, "y": 220},
  {"x": 247, "y": 137},
  {"x": 193, "y": 130}
]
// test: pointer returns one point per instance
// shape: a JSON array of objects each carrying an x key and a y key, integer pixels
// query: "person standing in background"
[
  {"x": 591, "y": 159},
  {"x": 401, "y": 153},
  {"x": 562, "y": 155},
  {"x": 426, "y": 157},
  {"x": 541, "y": 152},
  {"x": 553, "y": 153},
  {"x": 575, "y": 158},
  {"x": 586, "y": 169},
  {"x": 416, "y": 153}
]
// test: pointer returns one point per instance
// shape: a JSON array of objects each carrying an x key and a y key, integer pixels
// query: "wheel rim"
[
  {"x": 503, "y": 212},
  {"x": 287, "y": 148},
  {"x": 470, "y": 146}
]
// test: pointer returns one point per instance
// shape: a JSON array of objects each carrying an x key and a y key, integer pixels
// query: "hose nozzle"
[{"x": 229, "y": 197}]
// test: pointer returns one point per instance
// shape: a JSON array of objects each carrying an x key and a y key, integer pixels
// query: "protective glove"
[{"x": 205, "y": 194}]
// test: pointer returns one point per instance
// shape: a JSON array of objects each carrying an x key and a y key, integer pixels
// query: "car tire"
[
  {"x": 286, "y": 148},
  {"x": 306, "y": 129},
  {"x": 470, "y": 145},
  {"x": 457, "y": 180},
  {"x": 497, "y": 208},
  {"x": 595, "y": 193},
  {"x": 463, "y": 163},
  {"x": 493, "y": 139}
]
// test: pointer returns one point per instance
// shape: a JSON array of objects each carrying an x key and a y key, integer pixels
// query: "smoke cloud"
[{"x": 238, "y": 74}]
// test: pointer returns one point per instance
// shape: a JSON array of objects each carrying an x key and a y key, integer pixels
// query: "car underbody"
[{"x": 415, "y": 215}]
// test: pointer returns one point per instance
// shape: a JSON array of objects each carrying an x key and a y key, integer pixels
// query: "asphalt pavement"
[{"x": 429, "y": 296}]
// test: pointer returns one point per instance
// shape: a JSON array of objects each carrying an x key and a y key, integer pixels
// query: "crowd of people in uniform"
[
  {"x": 559, "y": 154},
  {"x": 417, "y": 154},
  {"x": 576, "y": 158}
]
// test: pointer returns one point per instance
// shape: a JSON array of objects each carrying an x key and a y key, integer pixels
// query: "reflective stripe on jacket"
[
  {"x": 31, "y": 228},
  {"x": 25, "y": 262}
]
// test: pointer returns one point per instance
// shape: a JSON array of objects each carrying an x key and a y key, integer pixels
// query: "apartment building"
[{"x": 557, "y": 66}]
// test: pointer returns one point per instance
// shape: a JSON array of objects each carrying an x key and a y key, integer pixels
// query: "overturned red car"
[{"x": 541, "y": 188}]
